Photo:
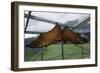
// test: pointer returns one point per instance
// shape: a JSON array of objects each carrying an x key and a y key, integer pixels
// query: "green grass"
[{"x": 53, "y": 52}]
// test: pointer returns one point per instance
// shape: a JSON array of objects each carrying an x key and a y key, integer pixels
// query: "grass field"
[{"x": 54, "y": 52}]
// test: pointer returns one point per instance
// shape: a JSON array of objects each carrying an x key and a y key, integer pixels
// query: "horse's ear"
[{"x": 47, "y": 38}]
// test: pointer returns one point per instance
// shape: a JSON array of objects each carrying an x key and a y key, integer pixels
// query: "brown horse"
[
  {"x": 74, "y": 37},
  {"x": 55, "y": 35},
  {"x": 47, "y": 38}
]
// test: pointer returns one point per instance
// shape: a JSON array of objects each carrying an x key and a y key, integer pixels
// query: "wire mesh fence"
[{"x": 54, "y": 52}]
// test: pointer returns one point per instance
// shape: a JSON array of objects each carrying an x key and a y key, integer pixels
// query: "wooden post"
[{"x": 62, "y": 50}]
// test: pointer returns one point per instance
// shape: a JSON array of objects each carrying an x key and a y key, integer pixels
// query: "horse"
[
  {"x": 47, "y": 38},
  {"x": 72, "y": 36}
]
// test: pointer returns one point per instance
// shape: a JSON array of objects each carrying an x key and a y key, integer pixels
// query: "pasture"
[{"x": 54, "y": 52}]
